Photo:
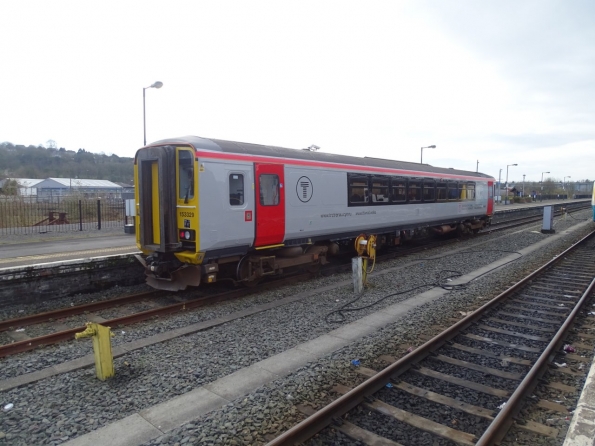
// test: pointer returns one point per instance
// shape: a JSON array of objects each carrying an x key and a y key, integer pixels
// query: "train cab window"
[
  {"x": 414, "y": 191},
  {"x": 269, "y": 189},
  {"x": 453, "y": 192},
  {"x": 236, "y": 189},
  {"x": 380, "y": 191},
  {"x": 185, "y": 175},
  {"x": 470, "y": 191},
  {"x": 357, "y": 190},
  {"x": 429, "y": 194},
  {"x": 398, "y": 190},
  {"x": 441, "y": 191}
]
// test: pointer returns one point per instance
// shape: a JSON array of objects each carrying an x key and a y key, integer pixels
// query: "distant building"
[
  {"x": 27, "y": 187},
  {"x": 61, "y": 187}
]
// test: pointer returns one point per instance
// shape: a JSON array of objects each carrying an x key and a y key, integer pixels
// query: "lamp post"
[
  {"x": 541, "y": 196},
  {"x": 523, "y": 185},
  {"x": 421, "y": 161},
  {"x": 564, "y": 182},
  {"x": 154, "y": 85},
  {"x": 477, "y": 166},
  {"x": 506, "y": 184}
]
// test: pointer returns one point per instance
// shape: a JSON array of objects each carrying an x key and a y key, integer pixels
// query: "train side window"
[
  {"x": 185, "y": 175},
  {"x": 414, "y": 191},
  {"x": 429, "y": 194},
  {"x": 236, "y": 189},
  {"x": 380, "y": 190},
  {"x": 269, "y": 189},
  {"x": 470, "y": 191},
  {"x": 398, "y": 190},
  {"x": 441, "y": 191},
  {"x": 453, "y": 192},
  {"x": 357, "y": 190}
]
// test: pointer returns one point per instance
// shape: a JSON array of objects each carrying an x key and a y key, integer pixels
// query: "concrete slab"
[
  {"x": 241, "y": 382},
  {"x": 130, "y": 430},
  {"x": 323, "y": 345},
  {"x": 182, "y": 409},
  {"x": 353, "y": 331},
  {"x": 288, "y": 361},
  {"x": 581, "y": 431}
]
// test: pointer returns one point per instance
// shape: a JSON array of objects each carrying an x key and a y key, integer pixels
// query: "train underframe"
[{"x": 165, "y": 271}]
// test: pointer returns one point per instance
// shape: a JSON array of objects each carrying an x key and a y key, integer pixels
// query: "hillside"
[{"x": 18, "y": 161}]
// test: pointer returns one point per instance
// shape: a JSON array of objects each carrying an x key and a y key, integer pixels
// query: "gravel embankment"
[{"x": 65, "y": 406}]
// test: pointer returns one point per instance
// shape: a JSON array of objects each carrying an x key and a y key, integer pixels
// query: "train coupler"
[{"x": 102, "y": 348}]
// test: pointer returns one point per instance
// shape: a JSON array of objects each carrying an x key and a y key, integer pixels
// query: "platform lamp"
[
  {"x": 541, "y": 196},
  {"x": 154, "y": 85},
  {"x": 421, "y": 161},
  {"x": 524, "y": 185},
  {"x": 564, "y": 182},
  {"x": 506, "y": 184},
  {"x": 500, "y": 185}
]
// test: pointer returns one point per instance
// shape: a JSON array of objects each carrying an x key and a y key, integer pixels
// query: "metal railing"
[{"x": 19, "y": 216}]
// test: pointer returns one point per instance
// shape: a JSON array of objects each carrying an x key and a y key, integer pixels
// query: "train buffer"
[
  {"x": 53, "y": 220},
  {"x": 102, "y": 348}
]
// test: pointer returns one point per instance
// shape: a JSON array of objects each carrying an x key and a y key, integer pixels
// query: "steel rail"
[
  {"x": 500, "y": 425},
  {"x": 54, "y": 338},
  {"x": 318, "y": 421},
  {"x": 72, "y": 311}
]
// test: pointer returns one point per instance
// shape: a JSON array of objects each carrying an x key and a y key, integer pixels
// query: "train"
[{"x": 209, "y": 210}]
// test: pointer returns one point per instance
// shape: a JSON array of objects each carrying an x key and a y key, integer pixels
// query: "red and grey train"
[{"x": 208, "y": 209}]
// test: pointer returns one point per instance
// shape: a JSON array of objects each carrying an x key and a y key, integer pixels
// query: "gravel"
[{"x": 75, "y": 403}]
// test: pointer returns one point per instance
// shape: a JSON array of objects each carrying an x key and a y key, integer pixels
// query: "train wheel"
[
  {"x": 243, "y": 272},
  {"x": 312, "y": 268}
]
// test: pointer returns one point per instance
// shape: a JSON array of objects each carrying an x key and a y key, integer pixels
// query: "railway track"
[
  {"x": 468, "y": 384},
  {"x": 29, "y": 344}
]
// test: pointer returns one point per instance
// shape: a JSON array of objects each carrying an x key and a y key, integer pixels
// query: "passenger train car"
[{"x": 208, "y": 209}]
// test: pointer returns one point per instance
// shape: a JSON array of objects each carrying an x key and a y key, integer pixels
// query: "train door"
[
  {"x": 270, "y": 204},
  {"x": 490, "y": 197}
]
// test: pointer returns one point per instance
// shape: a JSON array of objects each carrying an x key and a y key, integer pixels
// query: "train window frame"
[
  {"x": 374, "y": 199},
  {"x": 471, "y": 187},
  {"x": 185, "y": 162},
  {"x": 272, "y": 179},
  {"x": 453, "y": 185},
  {"x": 236, "y": 195},
  {"x": 441, "y": 185},
  {"x": 398, "y": 183},
  {"x": 428, "y": 181},
  {"x": 414, "y": 190},
  {"x": 358, "y": 186}
]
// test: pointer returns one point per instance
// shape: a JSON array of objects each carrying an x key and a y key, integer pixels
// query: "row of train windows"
[{"x": 364, "y": 190}]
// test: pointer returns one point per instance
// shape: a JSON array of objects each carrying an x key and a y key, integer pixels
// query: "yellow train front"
[{"x": 210, "y": 209}]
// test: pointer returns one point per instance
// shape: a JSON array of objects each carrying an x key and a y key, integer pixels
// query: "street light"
[
  {"x": 421, "y": 161},
  {"x": 154, "y": 85},
  {"x": 506, "y": 184},
  {"x": 541, "y": 196},
  {"x": 523, "y": 185},
  {"x": 564, "y": 182},
  {"x": 477, "y": 166}
]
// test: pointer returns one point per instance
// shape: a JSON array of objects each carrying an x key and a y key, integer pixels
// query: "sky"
[{"x": 496, "y": 82}]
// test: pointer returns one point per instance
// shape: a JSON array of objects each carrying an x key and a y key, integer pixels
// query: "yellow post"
[{"x": 102, "y": 348}]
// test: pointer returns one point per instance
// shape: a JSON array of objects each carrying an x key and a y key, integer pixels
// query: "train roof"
[{"x": 219, "y": 145}]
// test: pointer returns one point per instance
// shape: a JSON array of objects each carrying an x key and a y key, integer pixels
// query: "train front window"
[
  {"x": 185, "y": 175},
  {"x": 269, "y": 190},
  {"x": 236, "y": 189}
]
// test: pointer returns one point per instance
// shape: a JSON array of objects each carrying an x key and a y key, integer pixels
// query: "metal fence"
[{"x": 19, "y": 216}]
